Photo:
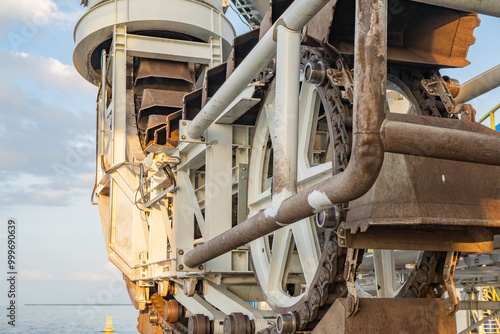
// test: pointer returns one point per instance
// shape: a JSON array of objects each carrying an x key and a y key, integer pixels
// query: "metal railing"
[{"x": 491, "y": 115}]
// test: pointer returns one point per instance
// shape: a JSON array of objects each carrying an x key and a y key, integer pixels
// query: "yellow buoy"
[{"x": 109, "y": 325}]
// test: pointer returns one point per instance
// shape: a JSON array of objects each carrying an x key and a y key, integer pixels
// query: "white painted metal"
[
  {"x": 169, "y": 49},
  {"x": 272, "y": 262},
  {"x": 97, "y": 24},
  {"x": 286, "y": 113},
  {"x": 239, "y": 106},
  {"x": 218, "y": 189},
  {"x": 479, "y": 85},
  {"x": 385, "y": 273},
  {"x": 295, "y": 18}
]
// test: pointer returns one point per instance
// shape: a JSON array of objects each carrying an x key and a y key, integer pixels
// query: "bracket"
[{"x": 184, "y": 137}]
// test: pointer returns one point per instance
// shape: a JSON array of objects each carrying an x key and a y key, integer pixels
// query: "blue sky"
[{"x": 47, "y": 136}]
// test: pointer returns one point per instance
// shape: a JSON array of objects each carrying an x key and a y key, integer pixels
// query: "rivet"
[
  {"x": 200, "y": 267},
  {"x": 143, "y": 275},
  {"x": 181, "y": 266},
  {"x": 183, "y": 123},
  {"x": 181, "y": 252},
  {"x": 203, "y": 139},
  {"x": 143, "y": 262},
  {"x": 342, "y": 242},
  {"x": 183, "y": 137}
]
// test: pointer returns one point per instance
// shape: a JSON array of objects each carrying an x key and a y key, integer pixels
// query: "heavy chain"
[{"x": 157, "y": 311}]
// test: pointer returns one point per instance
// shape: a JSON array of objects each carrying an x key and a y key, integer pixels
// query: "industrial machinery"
[{"x": 241, "y": 179}]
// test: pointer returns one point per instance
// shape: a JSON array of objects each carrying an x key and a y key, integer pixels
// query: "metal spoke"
[
  {"x": 306, "y": 240},
  {"x": 280, "y": 250}
]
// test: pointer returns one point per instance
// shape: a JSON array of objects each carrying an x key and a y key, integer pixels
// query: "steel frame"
[
  {"x": 222, "y": 248},
  {"x": 153, "y": 252}
]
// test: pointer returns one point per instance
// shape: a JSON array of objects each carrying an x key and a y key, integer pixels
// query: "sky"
[{"x": 47, "y": 157}]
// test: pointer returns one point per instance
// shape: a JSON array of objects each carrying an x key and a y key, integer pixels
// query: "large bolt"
[{"x": 286, "y": 323}]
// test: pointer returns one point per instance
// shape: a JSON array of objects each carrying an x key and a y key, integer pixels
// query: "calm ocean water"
[{"x": 68, "y": 319}]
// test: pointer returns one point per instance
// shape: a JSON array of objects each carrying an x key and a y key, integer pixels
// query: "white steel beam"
[
  {"x": 218, "y": 188},
  {"x": 168, "y": 49}
]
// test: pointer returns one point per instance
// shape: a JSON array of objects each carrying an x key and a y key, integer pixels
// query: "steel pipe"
[
  {"x": 486, "y": 7},
  {"x": 367, "y": 156},
  {"x": 295, "y": 18},
  {"x": 449, "y": 139},
  {"x": 479, "y": 85}
]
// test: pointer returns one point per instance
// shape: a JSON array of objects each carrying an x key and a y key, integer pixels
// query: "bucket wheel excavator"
[{"x": 281, "y": 180}]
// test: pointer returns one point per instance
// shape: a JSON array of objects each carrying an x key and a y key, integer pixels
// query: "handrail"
[{"x": 491, "y": 115}]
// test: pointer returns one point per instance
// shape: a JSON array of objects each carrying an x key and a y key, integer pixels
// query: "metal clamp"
[{"x": 184, "y": 137}]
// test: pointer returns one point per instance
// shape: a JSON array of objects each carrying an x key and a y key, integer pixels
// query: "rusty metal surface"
[
  {"x": 424, "y": 191},
  {"x": 417, "y": 33},
  {"x": 367, "y": 153},
  {"x": 238, "y": 323},
  {"x": 144, "y": 327},
  {"x": 242, "y": 45},
  {"x": 441, "y": 138},
  {"x": 161, "y": 98},
  {"x": 199, "y": 324},
  {"x": 427, "y": 237},
  {"x": 387, "y": 315},
  {"x": 192, "y": 104},
  {"x": 214, "y": 79},
  {"x": 150, "y": 68}
]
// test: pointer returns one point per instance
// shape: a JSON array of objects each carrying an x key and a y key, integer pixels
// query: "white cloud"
[
  {"x": 37, "y": 13},
  {"x": 88, "y": 276},
  {"x": 43, "y": 71},
  {"x": 34, "y": 275}
]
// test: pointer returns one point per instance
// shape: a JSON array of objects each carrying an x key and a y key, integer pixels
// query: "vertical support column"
[
  {"x": 183, "y": 222},
  {"x": 286, "y": 114},
  {"x": 218, "y": 188},
  {"x": 383, "y": 261},
  {"x": 120, "y": 220},
  {"x": 119, "y": 113}
]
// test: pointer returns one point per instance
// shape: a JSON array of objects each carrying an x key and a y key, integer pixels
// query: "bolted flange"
[
  {"x": 238, "y": 323},
  {"x": 200, "y": 324},
  {"x": 286, "y": 323}
]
